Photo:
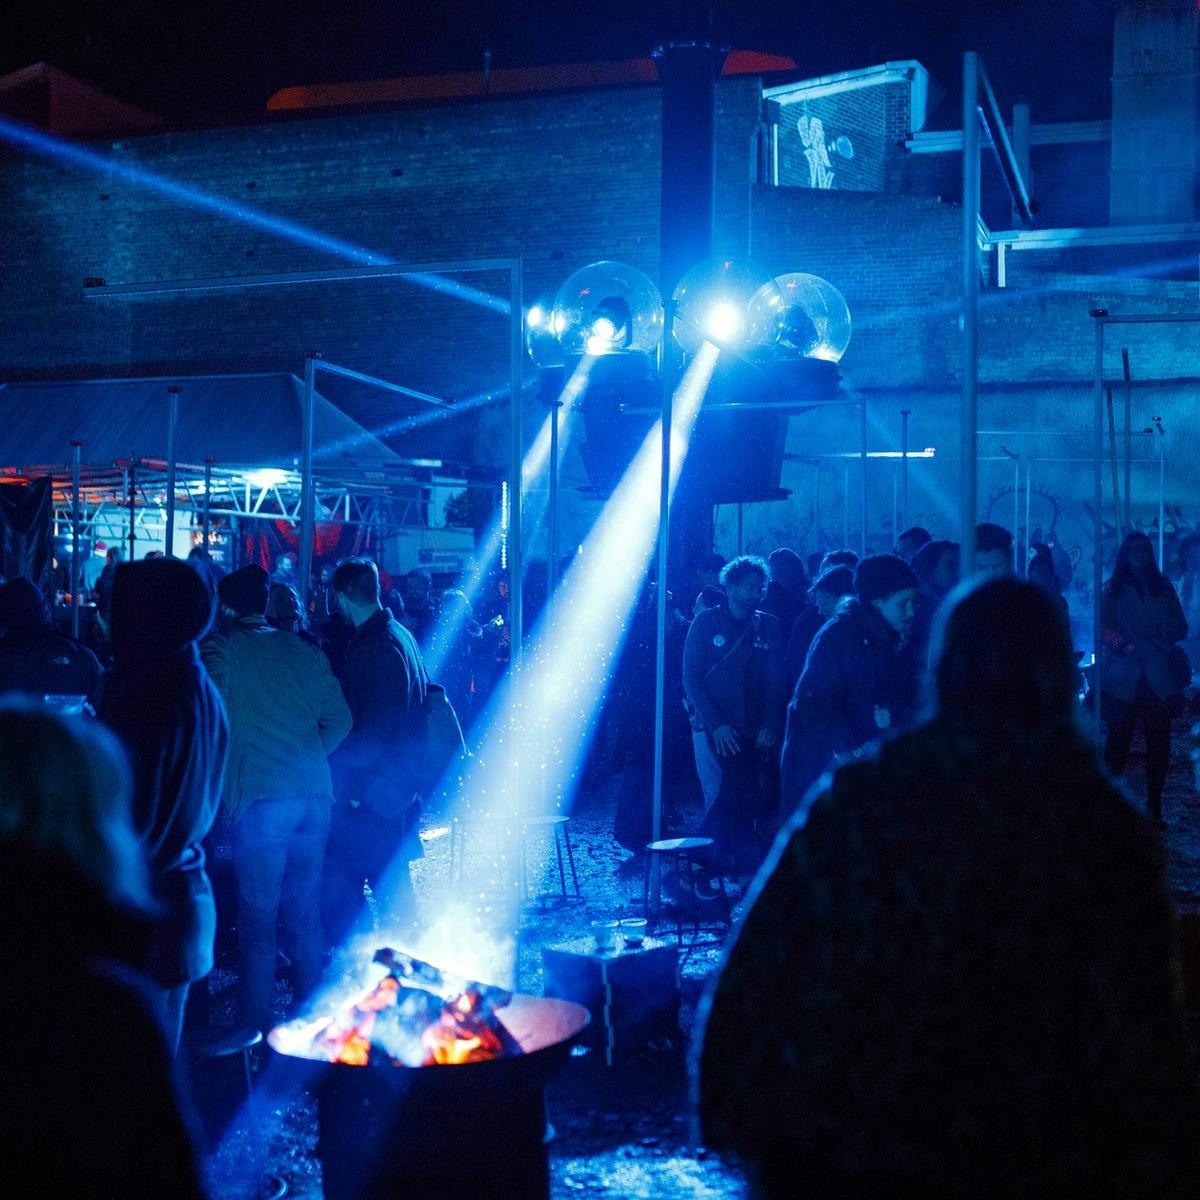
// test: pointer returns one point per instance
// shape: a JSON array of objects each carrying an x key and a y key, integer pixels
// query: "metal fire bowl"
[
  {"x": 541, "y": 1026},
  {"x": 464, "y": 1131}
]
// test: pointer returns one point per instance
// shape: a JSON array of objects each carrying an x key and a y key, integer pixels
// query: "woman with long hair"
[
  {"x": 1143, "y": 670},
  {"x": 956, "y": 974}
]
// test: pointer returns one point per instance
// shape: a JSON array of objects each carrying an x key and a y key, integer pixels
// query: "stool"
[
  {"x": 242, "y": 1041},
  {"x": 560, "y": 826},
  {"x": 681, "y": 852}
]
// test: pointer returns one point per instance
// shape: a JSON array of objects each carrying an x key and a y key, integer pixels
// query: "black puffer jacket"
[{"x": 956, "y": 978}]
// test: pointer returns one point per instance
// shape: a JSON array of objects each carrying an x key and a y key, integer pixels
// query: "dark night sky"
[{"x": 211, "y": 59}]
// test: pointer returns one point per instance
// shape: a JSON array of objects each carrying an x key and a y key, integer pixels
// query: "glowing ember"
[{"x": 415, "y": 1016}]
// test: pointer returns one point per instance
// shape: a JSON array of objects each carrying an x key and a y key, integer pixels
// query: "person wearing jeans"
[
  {"x": 286, "y": 714},
  {"x": 278, "y": 847}
]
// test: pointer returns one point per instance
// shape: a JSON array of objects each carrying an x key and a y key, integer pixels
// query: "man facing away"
[
  {"x": 856, "y": 687},
  {"x": 378, "y": 767},
  {"x": 286, "y": 716},
  {"x": 34, "y": 657}
]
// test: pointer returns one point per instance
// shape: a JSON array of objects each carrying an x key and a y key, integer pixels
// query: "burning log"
[{"x": 417, "y": 1015}]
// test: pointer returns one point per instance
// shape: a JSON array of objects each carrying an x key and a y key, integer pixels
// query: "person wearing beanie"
[
  {"x": 165, "y": 711},
  {"x": 35, "y": 659},
  {"x": 856, "y": 687},
  {"x": 829, "y": 589},
  {"x": 286, "y": 716}
]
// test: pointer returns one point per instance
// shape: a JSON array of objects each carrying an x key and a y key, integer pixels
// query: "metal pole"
[
  {"x": 76, "y": 534},
  {"x": 895, "y": 505},
  {"x": 307, "y": 489},
  {"x": 516, "y": 542},
  {"x": 206, "y": 514},
  {"x": 1162, "y": 487},
  {"x": 552, "y": 553},
  {"x": 862, "y": 456},
  {"x": 1112, "y": 459},
  {"x": 905, "y": 413},
  {"x": 667, "y": 371},
  {"x": 1127, "y": 524},
  {"x": 173, "y": 391},
  {"x": 1097, "y": 504},
  {"x": 846, "y": 505},
  {"x": 968, "y": 412},
  {"x": 1017, "y": 563},
  {"x": 1028, "y": 488},
  {"x": 740, "y": 515},
  {"x": 131, "y": 485}
]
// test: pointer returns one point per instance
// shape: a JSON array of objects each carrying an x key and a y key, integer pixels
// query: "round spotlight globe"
[
  {"x": 712, "y": 303},
  {"x": 608, "y": 308},
  {"x": 813, "y": 321},
  {"x": 540, "y": 340}
]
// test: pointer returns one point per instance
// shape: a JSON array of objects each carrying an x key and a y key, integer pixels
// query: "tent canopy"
[{"x": 236, "y": 420}]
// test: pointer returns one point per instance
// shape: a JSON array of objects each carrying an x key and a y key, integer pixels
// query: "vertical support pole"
[
  {"x": 905, "y": 413},
  {"x": 173, "y": 391},
  {"x": 846, "y": 504},
  {"x": 1016, "y": 529},
  {"x": 552, "y": 553},
  {"x": 1162, "y": 487},
  {"x": 817, "y": 505},
  {"x": 131, "y": 492},
  {"x": 1028, "y": 497},
  {"x": 968, "y": 411},
  {"x": 1020, "y": 148},
  {"x": 516, "y": 533},
  {"x": 76, "y": 534},
  {"x": 1097, "y": 502},
  {"x": 862, "y": 482},
  {"x": 667, "y": 373},
  {"x": 895, "y": 505},
  {"x": 741, "y": 516},
  {"x": 1127, "y": 524},
  {"x": 206, "y": 512},
  {"x": 307, "y": 488}
]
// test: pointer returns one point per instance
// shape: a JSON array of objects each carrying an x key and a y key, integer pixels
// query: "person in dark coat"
[
  {"x": 856, "y": 687},
  {"x": 164, "y": 709},
  {"x": 35, "y": 659},
  {"x": 377, "y": 769},
  {"x": 733, "y": 678},
  {"x": 420, "y": 612},
  {"x": 827, "y": 592},
  {"x": 1143, "y": 670},
  {"x": 956, "y": 975},
  {"x": 90, "y": 1104},
  {"x": 936, "y": 567},
  {"x": 786, "y": 590}
]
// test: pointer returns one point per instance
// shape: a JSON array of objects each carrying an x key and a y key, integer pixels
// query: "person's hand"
[
  {"x": 767, "y": 739},
  {"x": 725, "y": 741},
  {"x": 883, "y": 717}
]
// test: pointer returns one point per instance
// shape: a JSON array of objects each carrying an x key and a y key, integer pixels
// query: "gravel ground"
[{"x": 621, "y": 1132}]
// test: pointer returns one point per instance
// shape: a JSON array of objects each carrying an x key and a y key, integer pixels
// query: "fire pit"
[{"x": 433, "y": 1085}]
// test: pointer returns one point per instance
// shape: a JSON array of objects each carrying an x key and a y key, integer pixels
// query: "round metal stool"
[{"x": 681, "y": 853}]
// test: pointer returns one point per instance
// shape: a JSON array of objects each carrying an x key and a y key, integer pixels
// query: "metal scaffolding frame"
[{"x": 308, "y": 499}]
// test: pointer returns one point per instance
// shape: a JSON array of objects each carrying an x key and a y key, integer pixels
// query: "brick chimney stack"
[{"x": 1156, "y": 112}]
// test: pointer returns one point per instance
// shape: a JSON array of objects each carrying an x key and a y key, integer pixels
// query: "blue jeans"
[{"x": 278, "y": 849}]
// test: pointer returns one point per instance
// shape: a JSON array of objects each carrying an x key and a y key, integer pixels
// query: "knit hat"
[
  {"x": 837, "y": 581},
  {"x": 22, "y": 605},
  {"x": 882, "y": 575},
  {"x": 159, "y": 606},
  {"x": 246, "y": 591}
]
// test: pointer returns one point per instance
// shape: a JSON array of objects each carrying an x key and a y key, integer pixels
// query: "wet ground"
[{"x": 623, "y": 1131}]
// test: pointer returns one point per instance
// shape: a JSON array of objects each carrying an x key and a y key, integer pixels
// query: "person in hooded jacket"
[
  {"x": 856, "y": 687},
  {"x": 35, "y": 659},
  {"x": 963, "y": 951},
  {"x": 160, "y": 702}
]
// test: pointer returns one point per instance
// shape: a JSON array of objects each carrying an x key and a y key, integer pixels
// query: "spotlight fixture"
[
  {"x": 540, "y": 339},
  {"x": 607, "y": 308},
  {"x": 713, "y": 304},
  {"x": 804, "y": 315}
]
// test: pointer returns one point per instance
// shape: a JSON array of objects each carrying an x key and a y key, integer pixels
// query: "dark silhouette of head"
[
  {"x": 787, "y": 569},
  {"x": 1004, "y": 663},
  {"x": 22, "y": 606},
  {"x": 1135, "y": 568},
  {"x": 159, "y": 607}
]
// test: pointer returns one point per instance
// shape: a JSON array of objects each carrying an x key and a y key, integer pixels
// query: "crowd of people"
[
  {"x": 956, "y": 968},
  {"x": 792, "y": 669}
]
